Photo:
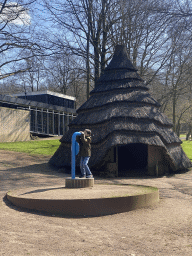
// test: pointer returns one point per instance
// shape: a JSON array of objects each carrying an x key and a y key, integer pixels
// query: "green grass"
[
  {"x": 35, "y": 147},
  {"x": 187, "y": 147},
  {"x": 48, "y": 147}
]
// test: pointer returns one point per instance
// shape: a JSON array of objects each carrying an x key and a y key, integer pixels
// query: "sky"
[
  {"x": 37, "y": 19},
  {"x": 16, "y": 14}
]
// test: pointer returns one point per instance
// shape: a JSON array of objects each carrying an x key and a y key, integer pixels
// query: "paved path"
[{"x": 162, "y": 230}]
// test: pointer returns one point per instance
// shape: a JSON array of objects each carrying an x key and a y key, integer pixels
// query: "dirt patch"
[{"x": 164, "y": 229}]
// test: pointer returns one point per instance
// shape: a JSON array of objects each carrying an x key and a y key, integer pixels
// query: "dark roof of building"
[
  {"x": 121, "y": 111},
  {"x": 9, "y": 100},
  {"x": 46, "y": 92}
]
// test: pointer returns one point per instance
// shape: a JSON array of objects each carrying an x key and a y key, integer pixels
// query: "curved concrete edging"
[{"x": 87, "y": 207}]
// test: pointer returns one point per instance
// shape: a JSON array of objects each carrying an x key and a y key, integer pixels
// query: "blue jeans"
[{"x": 83, "y": 165}]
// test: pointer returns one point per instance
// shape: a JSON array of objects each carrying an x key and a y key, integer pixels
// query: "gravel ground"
[{"x": 164, "y": 229}]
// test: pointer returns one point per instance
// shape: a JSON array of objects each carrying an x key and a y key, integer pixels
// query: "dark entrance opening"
[{"x": 132, "y": 159}]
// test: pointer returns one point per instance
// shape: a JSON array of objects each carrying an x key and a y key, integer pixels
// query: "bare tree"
[
  {"x": 178, "y": 8},
  {"x": 145, "y": 34},
  {"x": 93, "y": 29},
  {"x": 90, "y": 30},
  {"x": 65, "y": 74},
  {"x": 88, "y": 23},
  {"x": 175, "y": 87},
  {"x": 34, "y": 75},
  {"x": 77, "y": 86},
  {"x": 10, "y": 85},
  {"x": 16, "y": 42},
  {"x": 58, "y": 72}
]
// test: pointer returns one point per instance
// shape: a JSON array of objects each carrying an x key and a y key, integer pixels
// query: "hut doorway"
[{"x": 132, "y": 159}]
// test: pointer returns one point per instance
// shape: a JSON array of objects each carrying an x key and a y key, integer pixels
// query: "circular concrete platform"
[{"x": 102, "y": 199}]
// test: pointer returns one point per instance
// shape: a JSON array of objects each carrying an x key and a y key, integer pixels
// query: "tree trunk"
[
  {"x": 178, "y": 129},
  {"x": 103, "y": 53},
  {"x": 174, "y": 109},
  {"x": 96, "y": 61},
  {"x": 87, "y": 62},
  {"x": 189, "y": 132}
]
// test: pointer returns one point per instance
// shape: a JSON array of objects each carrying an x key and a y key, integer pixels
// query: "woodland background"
[{"x": 64, "y": 46}]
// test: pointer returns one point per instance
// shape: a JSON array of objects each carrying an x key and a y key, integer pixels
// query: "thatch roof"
[{"x": 120, "y": 111}]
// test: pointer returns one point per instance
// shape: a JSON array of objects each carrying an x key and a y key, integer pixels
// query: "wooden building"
[{"x": 129, "y": 132}]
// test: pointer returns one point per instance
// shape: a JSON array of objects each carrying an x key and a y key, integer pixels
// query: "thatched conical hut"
[{"x": 129, "y": 131}]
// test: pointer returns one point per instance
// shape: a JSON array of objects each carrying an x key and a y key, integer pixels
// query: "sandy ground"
[{"x": 164, "y": 229}]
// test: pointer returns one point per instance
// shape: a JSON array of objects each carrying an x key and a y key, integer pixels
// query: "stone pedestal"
[{"x": 79, "y": 183}]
